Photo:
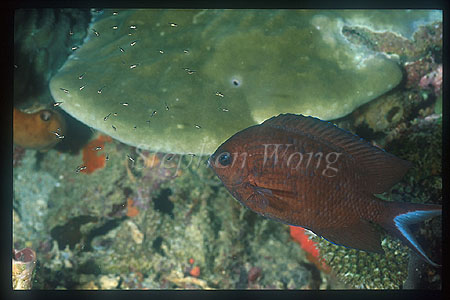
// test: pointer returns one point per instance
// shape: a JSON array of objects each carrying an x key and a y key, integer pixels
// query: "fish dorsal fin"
[{"x": 380, "y": 169}]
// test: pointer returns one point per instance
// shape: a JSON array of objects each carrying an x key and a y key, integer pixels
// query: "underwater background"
[{"x": 117, "y": 111}]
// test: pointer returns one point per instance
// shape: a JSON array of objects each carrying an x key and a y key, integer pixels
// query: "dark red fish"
[{"x": 306, "y": 172}]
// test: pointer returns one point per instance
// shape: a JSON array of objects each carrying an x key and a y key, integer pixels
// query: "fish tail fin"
[{"x": 399, "y": 215}]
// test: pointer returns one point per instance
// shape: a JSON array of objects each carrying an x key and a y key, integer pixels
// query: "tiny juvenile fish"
[{"x": 306, "y": 172}]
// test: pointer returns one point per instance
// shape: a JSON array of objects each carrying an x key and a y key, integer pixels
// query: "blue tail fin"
[{"x": 399, "y": 216}]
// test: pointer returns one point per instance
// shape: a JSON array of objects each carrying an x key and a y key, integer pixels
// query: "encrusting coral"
[{"x": 163, "y": 79}]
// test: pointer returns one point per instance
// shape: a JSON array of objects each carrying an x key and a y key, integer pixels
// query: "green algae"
[{"x": 183, "y": 81}]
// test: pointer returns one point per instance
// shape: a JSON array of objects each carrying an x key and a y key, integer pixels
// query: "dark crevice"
[
  {"x": 392, "y": 113},
  {"x": 365, "y": 131},
  {"x": 102, "y": 230},
  {"x": 89, "y": 267},
  {"x": 69, "y": 233},
  {"x": 156, "y": 245},
  {"x": 76, "y": 135},
  {"x": 316, "y": 280},
  {"x": 163, "y": 204}
]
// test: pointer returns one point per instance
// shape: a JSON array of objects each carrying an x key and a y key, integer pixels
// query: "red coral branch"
[{"x": 310, "y": 247}]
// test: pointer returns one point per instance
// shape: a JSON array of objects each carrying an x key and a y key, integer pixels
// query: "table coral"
[{"x": 157, "y": 86}]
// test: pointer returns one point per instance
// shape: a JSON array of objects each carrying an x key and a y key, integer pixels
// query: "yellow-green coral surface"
[{"x": 184, "y": 81}]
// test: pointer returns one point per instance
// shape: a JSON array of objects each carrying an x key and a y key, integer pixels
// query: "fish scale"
[{"x": 332, "y": 197}]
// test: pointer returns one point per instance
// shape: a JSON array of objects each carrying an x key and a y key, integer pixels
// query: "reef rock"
[
  {"x": 183, "y": 81},
  {"x": 43, "y": 39}
]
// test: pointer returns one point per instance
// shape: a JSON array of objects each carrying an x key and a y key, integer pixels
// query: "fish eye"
[
  {"x": 45, "y": 115},
  {"x": 224, "y": 159}
]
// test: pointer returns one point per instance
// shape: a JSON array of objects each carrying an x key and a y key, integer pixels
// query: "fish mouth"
[
  {"x": 208, "y": 162},
  {"x": 211, "y": 161}
]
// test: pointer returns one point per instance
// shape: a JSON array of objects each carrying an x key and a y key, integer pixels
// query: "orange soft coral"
[
  {"x": 91, "y": 160},
  {"x": 312, "y": 253},
  {"x": 132, "y": 210},
  {"x": 195, "y": 271}
]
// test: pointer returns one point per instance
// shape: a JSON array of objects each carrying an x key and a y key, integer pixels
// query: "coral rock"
[
  {"x": 109, "y": 282},
  {"x": 23, "y": 264},
  {"x": 170, "y": 86}
]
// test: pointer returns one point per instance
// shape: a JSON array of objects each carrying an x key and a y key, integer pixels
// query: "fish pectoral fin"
[
  {"x": 277, "y": 200},
  {"x": 259, "y": 199},
  {"x": 285, "y": 195},
  {"x": 361, "y": 235},
  {"x": 273, "y": 192}
]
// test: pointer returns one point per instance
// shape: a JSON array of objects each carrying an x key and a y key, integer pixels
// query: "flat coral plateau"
[{"x": 183, "y": 81}]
